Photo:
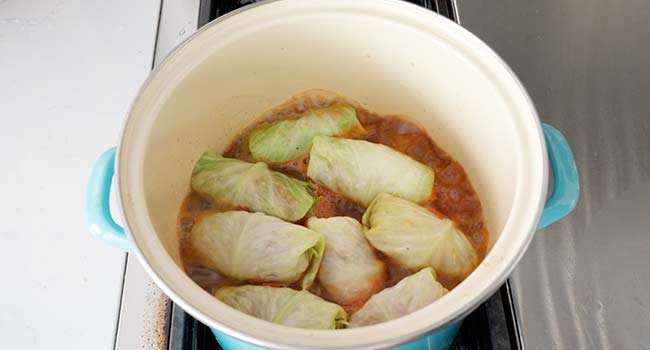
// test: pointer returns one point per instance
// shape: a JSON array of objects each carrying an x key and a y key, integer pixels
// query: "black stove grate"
[
  {"x": 491, "y": 326},
  {"x": 211, "y": 9}
]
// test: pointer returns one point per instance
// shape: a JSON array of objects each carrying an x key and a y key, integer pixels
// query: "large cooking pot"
[{"x": 391, "y": 56}]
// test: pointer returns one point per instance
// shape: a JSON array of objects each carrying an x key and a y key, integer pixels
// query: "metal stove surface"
[{"x": 584, "y": 282}]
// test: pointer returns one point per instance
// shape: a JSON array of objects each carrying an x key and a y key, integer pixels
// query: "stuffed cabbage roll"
[
  {"x": 350, "y": 271},
  {"x": 251, "y": 185},
  {"x": 415, "y": 238},
  {"x": 409, "y": 295},
  {"x": 284, "y": 306},
  {"x": 257, "y": 248},
  {"x": 289, "y": 139},
  {"x": 361, "y": 170}
]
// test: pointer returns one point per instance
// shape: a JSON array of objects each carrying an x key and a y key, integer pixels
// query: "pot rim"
[{"x": 370, "y": 337}]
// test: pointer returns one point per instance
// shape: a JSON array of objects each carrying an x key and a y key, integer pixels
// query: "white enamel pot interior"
[{"x": 392, "y": 57}]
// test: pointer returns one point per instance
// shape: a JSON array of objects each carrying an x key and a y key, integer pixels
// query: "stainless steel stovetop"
[{"x": 584, "y": 282}]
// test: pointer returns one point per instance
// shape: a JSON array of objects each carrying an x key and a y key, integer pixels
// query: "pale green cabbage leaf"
[
  {"x": 414, "y": 237},
  {"x": 361, "y": 170},
  {"x": 252, "y": 186},
  {"x": 257, "y": 248},
  {"x": 408, "y": 295},
  {"x": 350, "y": 271},
  {"x": 284, "y": 306},
  {"x": 289, "y": 139}
]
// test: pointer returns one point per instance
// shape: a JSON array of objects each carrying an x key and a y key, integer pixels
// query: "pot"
[{"x": 391, "y": 56}]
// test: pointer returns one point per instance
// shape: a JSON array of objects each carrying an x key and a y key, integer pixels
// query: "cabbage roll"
[
  {"x": 409, "y": 295},
  {"x": 289, "y": 139},
  {"x": 284, "y": 306},
  {"x": 361, "y": 170},
  {"x": 257, "y": 248},
  {"x": 252, "y": 186},
  {"x": 350, "y": 271},
  {"x": 414, "y": 237}
]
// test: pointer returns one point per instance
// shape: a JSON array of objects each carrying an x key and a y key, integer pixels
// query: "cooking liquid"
[{"x": 453, "y": 196}]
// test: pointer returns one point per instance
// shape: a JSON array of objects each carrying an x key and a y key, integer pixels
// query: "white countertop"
[{"x": 68, "y": 72}]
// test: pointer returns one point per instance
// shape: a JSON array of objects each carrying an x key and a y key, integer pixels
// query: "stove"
[{"x": 149, "y": 320}]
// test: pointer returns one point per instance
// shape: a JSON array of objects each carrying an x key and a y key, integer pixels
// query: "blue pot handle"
[
  {"x": 566, "y": 184},
  {"x": 98, "y": 212}
]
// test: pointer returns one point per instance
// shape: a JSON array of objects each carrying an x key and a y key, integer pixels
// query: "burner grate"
[{"x": 211, "y": 9}]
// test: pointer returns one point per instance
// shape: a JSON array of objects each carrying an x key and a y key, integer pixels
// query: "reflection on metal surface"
[
  {"x": 177, "y": 22},
  {"x": 584, "y": 282},
  {"x": 616, "y": 289},
  {"x": 144, "y": 311},
  {"x": 511, "y": 316}
]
